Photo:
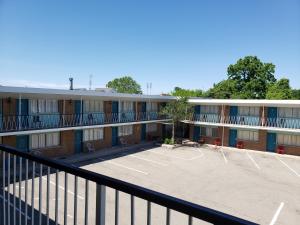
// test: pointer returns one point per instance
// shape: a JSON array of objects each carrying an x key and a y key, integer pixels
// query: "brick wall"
[
  {"x": 9, "y": 107},
  {"x": 135, "y": 138},
  {"x": 101, "y": 144},
  {"x": 66, "y": 146},
  {"x": 259, "y": 145}
]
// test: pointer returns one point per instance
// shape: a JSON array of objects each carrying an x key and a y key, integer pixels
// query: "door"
[
  {"x": 197, "y": 110},
  {"x": 115, "y": 111},
  {"x": 22, "y": 142},
  {"x": 22, "y": 119},
  {"x": 271, "y": 142},
  {"x": 196, "y": 134},
  {"x": 272, "y": 116},
  {"x": 78, "y": 112},
  {"x": 143, "y": 132},
  {"x": 114, "y": 136},
  {"x": 143, "y": 111},
  {"x": 232, "y": 137},
  {"x": 78, "y": 141}
]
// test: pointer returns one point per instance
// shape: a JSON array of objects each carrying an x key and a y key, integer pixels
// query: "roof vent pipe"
[{"x": 71, "y": 83}]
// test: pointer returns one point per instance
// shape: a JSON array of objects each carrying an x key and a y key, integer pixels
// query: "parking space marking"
[
  {"x": 126, "y": 167},
  {"x": 11, "y": 204},
  {"x": 176, "y": 157},
  {"x": 291, "y": 169},
  {"x": 275, "y": 217},
  {"x": 62, "y": 188},
  {"x": 250, "y": 157},
  {"x": 224, "y": 155},
  {"x": 148, "y": 160}
]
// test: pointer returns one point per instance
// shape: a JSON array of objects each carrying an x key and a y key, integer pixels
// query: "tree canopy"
[
  {"x": 280, "y": 90},
  {"x": 186, "y": 92},
  {"x": 125, "y": 84}
]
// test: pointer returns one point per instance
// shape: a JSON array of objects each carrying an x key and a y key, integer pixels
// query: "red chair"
[
  {"x": 280, "y": 149},
  {"x": 217, "y": 142},
  {"x": 240, "y": 144}
]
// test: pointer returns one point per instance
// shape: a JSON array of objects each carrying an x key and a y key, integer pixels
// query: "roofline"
[
  {"x": 77, "y": 94},
  {"x": 246, "y": 102}
]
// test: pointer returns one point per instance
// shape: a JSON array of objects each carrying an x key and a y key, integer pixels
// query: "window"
[
  {"x": 288, "y": 139},
  {"x": 209, "y": 131},
  {"x": 248, "y": 111},
  {"x": 151, "y": 127},
  {"x": 289, "y": 112},
  {"x": 43, "y": 140},
  {"x": 126, "y": 106},
  {"x": 125, "y": 130},
  {"x": 43, "y": 106},
  {"x": 152, "y": 106},
  {"x": 93, "y": 134},
  {"x": 209, "y": 109},
  {"x": 247, "y": 135},
  {"x": 92, "y": 106}
]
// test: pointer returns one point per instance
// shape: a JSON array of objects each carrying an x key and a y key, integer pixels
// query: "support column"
[
  {"x": 81, "y": 110},
  {"x": 100, "y": 204}
]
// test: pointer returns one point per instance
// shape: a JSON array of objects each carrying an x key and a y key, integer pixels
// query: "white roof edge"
[
  {"x": 249, "y": 102},
  {"x": 79, "y": 93}
]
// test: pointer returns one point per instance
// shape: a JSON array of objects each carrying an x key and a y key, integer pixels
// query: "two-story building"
[
  {"x": 265, "y": 125},
  {"x": 56, "y": 122}
]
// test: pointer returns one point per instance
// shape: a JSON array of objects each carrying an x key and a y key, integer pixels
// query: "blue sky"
[{"x": 169, "y": 43}]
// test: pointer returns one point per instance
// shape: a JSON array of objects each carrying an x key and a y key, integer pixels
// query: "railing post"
[{"x": 100, "y": 204}]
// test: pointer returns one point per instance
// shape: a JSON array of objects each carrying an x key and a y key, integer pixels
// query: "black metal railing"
[
  {"x": 49, "y": 121},
  {"x": 29, "y": 172}
]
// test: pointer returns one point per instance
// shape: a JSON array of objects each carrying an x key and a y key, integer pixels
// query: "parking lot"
[{"x": 257, "y": 186}]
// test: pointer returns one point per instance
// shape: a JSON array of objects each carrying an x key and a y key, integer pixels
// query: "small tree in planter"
[{"x": 177, "y": 110}]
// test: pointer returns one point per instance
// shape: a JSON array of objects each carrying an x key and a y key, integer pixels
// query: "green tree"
[
  {"x": 223, "y": 90},
  {"x": 125, "y": 85},
  {"x": 296, "y": 94},
  {"x": 280, "y": 90},
  {"x": 186, "y": 92},
  {"x": 177, "y": 110},
  {"x": 252, "y": 77}
]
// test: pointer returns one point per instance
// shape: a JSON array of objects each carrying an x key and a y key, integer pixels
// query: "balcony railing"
[
  {"x": 34, "y": 201},
  {"x": 48, "y": 121},
  {"x": 289, "y": 123}
]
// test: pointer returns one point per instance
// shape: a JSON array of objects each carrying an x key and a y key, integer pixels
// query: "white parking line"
[
  {"x": 172, "y": 156},
  {"x": 250, "y": 157},
  {"x": 223, "y": 155},
  {"x": 295, "y": 172},
  {"x": 148, "y": 160},
  {"x": 61, "y": 187},
  {"x": 120, "y": 165},
  {"x": 275, "y": 217},
  {"x": 11, "y": 204}
]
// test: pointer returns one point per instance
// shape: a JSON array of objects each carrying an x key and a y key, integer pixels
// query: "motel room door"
[
  {"x": 232, "y": 137},
  {"x": 78, "y": 141},
  {"x": 22, "y": 142},
  {"x": 114, "y": 130},
  {"x": 196, "y": 134},
  {"x": 271, "y": 142},
  {"x": 272, "y": 116},
  {"x": 143, "y": 132}
]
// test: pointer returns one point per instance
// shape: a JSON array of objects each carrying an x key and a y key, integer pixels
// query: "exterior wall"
[
  {"x": 157, "y": 133},
  {"x": 66, "y": 146},
  {"x": 101, "y": 144},
  {"x": 107, "y": 107},
  {"x": 69, "y": 107},
  {"x": 135, "y": 138},
  {"x": 292, "y": 150},
  {"x": 9, "y": 107},
  {"x": 259, "y": 145},
  {"x": 9, "y": 140}
]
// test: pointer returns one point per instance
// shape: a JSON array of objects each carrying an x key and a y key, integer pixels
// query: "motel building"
[
  {"x": 59, "y": 123},
  {"x": 263, "y": 125}
]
